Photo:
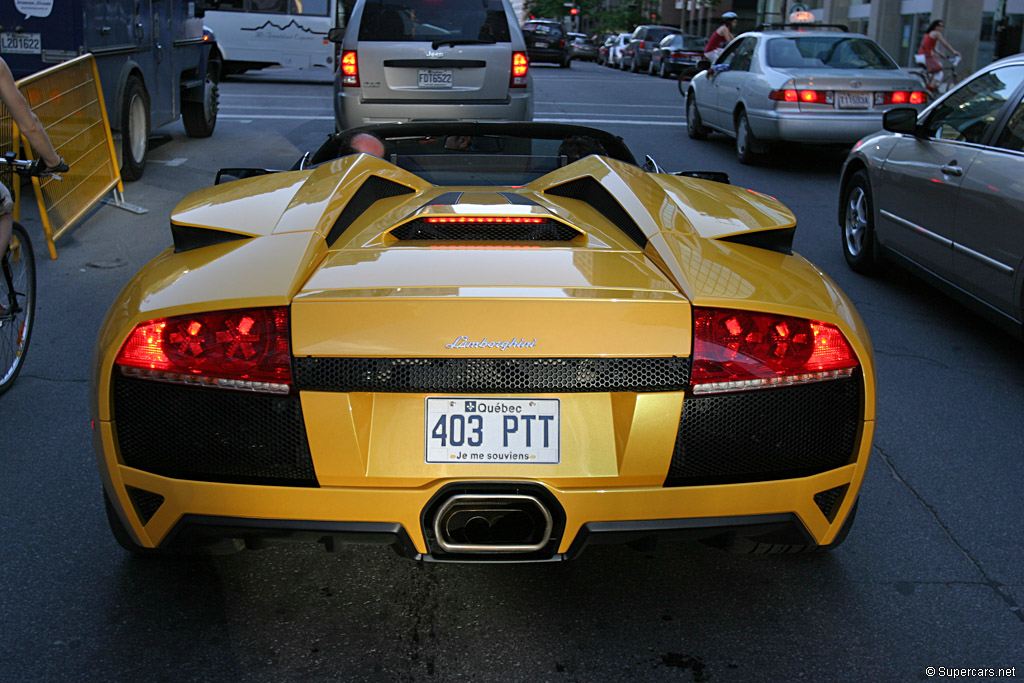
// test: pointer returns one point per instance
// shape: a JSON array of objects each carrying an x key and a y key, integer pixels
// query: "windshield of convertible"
[
  {"x": 423, "y": 20},
  {"x": 826, "y": 52}
]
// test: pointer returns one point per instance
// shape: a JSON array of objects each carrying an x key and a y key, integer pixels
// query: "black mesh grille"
[
  {"x": 548, "y": 231},
  {"x": 828, "y": 501},
  {"x": 767, "y": 434},
  {"x": 211, "y": 434},
  {"x": 373, "y": 189},
  {"x": 492, "y": 375},
  {"x": 146, "y": 503},
  {"x": 588, "y": 189}
]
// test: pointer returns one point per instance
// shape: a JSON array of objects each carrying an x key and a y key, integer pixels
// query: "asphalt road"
[{"x": 931, "y": 575}]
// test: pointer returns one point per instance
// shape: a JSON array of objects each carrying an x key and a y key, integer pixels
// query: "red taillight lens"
[
  {"x": 741, "y": 350},
  {"x": 805, "y": 96},
  {"x": 900, "y": 97},
  {"x": 918, "y": 97},
  {"x": 242, "y": 349},
  {"x": 349, "y": 69},
  {"x": 520, "y": 65}
]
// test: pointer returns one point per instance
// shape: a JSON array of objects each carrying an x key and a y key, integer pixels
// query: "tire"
[
  {"x": 661, "y": 70},
  {"x": 633, "y": 68},
  {"x": 682, "y": 83},
  {"x": 858, "y": 228},
  {"x": 200, "y": 118},
  {"x": 566, "y": 63},
  {"x": 650, "y": 67},
  {"x": 16, "y": 326},
  {"x": 695, "y": 128},
  {"x": 745, "y": 140},
  {"x": 134, "y": 129},
  {"x": 744, "y": 546}
]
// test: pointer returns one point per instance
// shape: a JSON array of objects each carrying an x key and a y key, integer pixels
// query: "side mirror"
[
  {"x": 716, "y": 176},
  {"x": 900, "y": 120},
  {"x": 703, "y": 65},
  {"x": 226, "y": 175},
  {"x": 336, "y": 35}
]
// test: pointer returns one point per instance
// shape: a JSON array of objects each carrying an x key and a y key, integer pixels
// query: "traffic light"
[{"x": 574, "y": 11}]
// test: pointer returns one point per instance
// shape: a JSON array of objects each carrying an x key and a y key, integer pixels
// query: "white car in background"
[
  {"x": 814, "y": 86},
  {"x": 615, "y": 49}
]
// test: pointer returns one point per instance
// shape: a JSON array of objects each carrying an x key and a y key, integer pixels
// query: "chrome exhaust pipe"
[{"x": 492, "y": 523}]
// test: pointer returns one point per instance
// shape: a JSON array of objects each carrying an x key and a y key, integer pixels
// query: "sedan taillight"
[
  {"x": 245, "y": 349},
  {"x": 742, "y": 350},
  {"x": 805, "y": 96}
]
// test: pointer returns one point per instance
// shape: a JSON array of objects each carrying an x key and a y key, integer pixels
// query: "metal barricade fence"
[{"x": 69, "y": 103}]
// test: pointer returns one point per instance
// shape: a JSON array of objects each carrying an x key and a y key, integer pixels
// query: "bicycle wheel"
[{"x": 18, "y": 302}]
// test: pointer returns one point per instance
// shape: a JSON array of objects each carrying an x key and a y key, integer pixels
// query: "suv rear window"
[
  {"x": 542, "y": 29},
  {"x": 426, "y": 20},
  {"x": 656, "y": 34}
]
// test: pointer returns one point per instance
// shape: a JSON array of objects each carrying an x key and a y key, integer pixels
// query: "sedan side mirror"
[
  {"x": 900, "y": 120},
  {"x": 336, "y": 35}
]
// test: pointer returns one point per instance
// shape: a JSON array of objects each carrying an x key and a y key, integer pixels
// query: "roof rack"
[{"x": 807, "y": 26}]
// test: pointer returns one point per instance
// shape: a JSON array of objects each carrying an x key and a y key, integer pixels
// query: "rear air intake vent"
[
  {"x": 373, "y": 189},
  {"x": 588, "y": 189},
  {"x": 485, "y": 229},
  {"x": 829, "y": 501},
  {"x": 146, "y": 503}
]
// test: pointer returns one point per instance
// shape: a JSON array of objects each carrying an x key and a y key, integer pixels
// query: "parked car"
[
  {"x": 637, "y": 55},
  {"x": 616, "y": 44},
  {"x": 546, "y": 41},
  {"x": 815, "y": 86},
  {"x": 481, "y": 354},
  {"x": 675, "y": 54},
  {"x": 940, "y": 193},
  {"x": 414, "y": 59},
  {"x": 584, "y": 49}
]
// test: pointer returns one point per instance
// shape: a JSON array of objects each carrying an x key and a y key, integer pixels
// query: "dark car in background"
[
  {"x": 677, "y": 53},
  {"x": 546, "y": 42},
  {"x": 584, "y": 49},
  {"x": 637, "y": 55}
]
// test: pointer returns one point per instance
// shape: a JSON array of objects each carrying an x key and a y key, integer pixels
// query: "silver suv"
[{"x": 408, "y": 60}]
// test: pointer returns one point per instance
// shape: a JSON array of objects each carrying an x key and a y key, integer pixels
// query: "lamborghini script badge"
[{"x": 463, "y": 342}]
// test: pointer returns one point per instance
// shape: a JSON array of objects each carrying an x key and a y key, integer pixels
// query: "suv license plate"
[
  {"x": 854, "y": 100},
  {"x": 540, "y": 43},
  {"x": 492, "y": 430},
  {"x": 20, "y": 43},
  {"x": 435, "y": 78}
]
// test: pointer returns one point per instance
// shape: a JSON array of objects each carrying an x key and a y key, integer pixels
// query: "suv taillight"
[
  {"x": 520, "y": 65},
  {"x": 741, "y": 350},
  {"x": 349, "y": 69},
  {"x": 246, "y": 349}
]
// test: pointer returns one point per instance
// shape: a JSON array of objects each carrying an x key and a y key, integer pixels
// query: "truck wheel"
[
  {"x": 134, "y": 129},
  {"x": 200, "y": 118}
]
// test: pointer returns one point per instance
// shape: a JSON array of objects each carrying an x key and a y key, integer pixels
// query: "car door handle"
[{"x": 951, "y": 169}]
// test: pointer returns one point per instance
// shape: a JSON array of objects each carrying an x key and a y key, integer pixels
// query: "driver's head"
[{"x": 368, "y": 144}]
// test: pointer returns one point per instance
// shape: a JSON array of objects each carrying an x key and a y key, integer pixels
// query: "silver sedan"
[
  {"x": 822, "y": 87},
  {"x": 942, "y": 193}
]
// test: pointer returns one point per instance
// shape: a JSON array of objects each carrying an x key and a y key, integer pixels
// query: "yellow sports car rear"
[{"x": 363, "y": 352}]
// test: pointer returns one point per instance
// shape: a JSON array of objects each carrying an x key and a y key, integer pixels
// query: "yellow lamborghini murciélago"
[{"x": 479, "y": 349}]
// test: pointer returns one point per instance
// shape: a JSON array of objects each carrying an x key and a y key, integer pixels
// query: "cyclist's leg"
[{"x": 6, "y": 217}]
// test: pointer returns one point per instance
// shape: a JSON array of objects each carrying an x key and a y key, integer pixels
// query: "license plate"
[
  {"x": 20, "y": 43},
  {"x": 854, "y": 100},
  {"x": 493, "y": 430},
  {"x": 540, "y": 43},
  {"x": 435, "y": 78}
]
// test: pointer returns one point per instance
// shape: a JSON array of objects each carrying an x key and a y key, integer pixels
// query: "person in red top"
[
  {"x": 721, "y": 37},
  {"x": 930, "y": 52}
]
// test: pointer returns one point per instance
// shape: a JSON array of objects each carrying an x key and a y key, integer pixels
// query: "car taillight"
[
  {"x": 806, "y": 96},
  {"x": 520, "y": 65},
  {"x": 900, "y": 97},
  {"x": 741, "y": 350},
  {"x": 642, "y": 45},
  {"x": 244, "y": 349},
  {"x": 349, "y": 69}
]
